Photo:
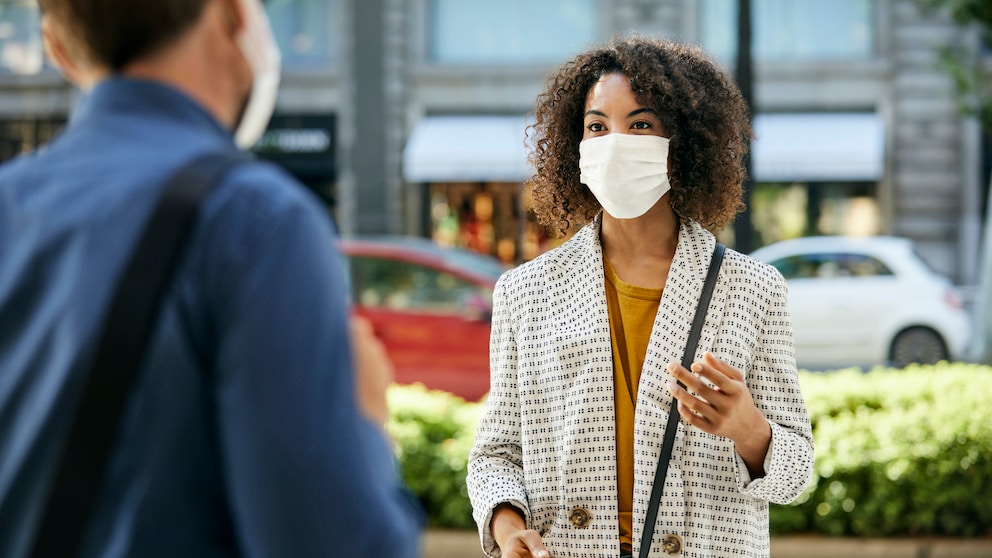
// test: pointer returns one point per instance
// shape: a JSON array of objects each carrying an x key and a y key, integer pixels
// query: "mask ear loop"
[{"x": 257, "y": 43}]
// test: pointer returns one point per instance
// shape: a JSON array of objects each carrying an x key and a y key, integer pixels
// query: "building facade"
[{"x": 409, "y": 116}]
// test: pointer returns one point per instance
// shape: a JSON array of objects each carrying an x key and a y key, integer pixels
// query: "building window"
[
  {"x": 22, "y": 135},
  {"x": 507, "y": 32},
  {"x": 20, "y": 37},
  {"x": 303, "y": 30},
  {"x": 790, "y": 30}
]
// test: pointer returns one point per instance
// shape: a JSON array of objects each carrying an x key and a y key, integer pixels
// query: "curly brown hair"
[{"x": 699, "y": 105}]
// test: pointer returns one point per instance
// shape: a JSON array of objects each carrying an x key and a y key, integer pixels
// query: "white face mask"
[
  {"x": 627, "y": 173},
  {"x": 260, "y": 50}
]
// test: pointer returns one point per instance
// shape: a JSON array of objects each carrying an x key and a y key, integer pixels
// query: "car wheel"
[{"x": 917, "y": 345}]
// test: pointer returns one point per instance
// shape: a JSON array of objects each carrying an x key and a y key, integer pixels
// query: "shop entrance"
[{"x": 486, "y": 217}]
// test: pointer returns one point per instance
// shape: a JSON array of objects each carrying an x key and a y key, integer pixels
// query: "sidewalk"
[{"x": 465, "y": 544}]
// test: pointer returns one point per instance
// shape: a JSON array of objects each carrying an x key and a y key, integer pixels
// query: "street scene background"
[{"x": 408, "y": 119}]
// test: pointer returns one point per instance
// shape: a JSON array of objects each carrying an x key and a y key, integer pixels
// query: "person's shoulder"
[
  {"x": 568, "y": 253},
  {"x": 261, "y": 191},
  {"x": 256, "y": 178},
  {"x": 742, "y": 265},
  {"x": 258, "y": 208},
  {"x": 537, "y": 267},
  {"x": 21, "y": 165}
]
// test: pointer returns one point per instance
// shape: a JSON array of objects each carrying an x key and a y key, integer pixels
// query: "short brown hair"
[
  {"x": 114, "y": 33},
  {"x": 699, "y": 105}
]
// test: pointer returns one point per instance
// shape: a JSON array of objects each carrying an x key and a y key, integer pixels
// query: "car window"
[
  {"x": 399, "y": 285},
  {"x": 829, "y": 265}
]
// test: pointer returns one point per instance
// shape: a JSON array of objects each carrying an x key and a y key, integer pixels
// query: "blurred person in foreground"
[
  {"x": 245, "y": 433},
  {"x": 642, "y": 142}
]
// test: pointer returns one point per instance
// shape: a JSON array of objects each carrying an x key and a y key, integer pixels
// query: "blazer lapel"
[
  {"x": 668, "y": 339},
  {"x": 676, "y": 312},
  {"x": 578, "y": 305},
  {"x": 584, "y": 357}
]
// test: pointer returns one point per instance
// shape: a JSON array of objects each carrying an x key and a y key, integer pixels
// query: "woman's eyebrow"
[
  {"x": 641, "y": 111},
  {"x": 631, "y": 115}
]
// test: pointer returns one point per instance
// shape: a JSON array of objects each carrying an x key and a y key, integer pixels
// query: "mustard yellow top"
[{"x": 632, "y": 311}]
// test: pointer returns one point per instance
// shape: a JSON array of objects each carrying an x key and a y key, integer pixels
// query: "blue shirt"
[{"x": 242, "y": 435}]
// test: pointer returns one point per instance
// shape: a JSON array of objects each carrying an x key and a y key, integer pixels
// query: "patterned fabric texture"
[{"x": 546, "y": 442}]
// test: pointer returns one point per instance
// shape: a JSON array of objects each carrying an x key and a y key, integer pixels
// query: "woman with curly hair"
[{"x": 640, "y": 142}]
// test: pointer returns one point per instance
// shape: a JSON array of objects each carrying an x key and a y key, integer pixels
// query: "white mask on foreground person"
[
  {"x": 260, "y": 50},
  {"x": 627, "y": 173}
]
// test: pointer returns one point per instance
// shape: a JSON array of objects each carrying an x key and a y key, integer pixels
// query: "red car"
[{"x": 431, "y": 307}]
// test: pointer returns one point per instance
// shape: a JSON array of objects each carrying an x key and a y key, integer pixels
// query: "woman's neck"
[
  {"x": 652, "y": 235},
  {"x": 641, "y": 250}
]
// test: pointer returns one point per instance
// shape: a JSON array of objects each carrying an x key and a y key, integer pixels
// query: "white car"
[{"x": 862, "y": 301}]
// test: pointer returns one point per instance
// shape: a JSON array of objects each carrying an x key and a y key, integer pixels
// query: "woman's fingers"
[{"x": 525, "y": 544}]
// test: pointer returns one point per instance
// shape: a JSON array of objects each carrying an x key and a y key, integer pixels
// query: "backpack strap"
[{"x": 127, "y": 328}]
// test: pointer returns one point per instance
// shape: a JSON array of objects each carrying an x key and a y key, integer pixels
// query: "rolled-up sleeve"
[{"x": 774, "y": 385}]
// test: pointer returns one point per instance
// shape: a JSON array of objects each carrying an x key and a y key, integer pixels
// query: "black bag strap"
[
  {"x": 673, "y": 414},
  {"x": 127, "y": 328}
]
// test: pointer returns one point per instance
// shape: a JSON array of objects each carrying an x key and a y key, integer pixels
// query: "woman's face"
[{"x": 612, "y": 108}]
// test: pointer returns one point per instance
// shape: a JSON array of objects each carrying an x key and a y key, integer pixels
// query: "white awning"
[
  {"x": 788, "y": 147},
  {"x": 818, "y": 147},
  {"x": 466, "y": 149}
]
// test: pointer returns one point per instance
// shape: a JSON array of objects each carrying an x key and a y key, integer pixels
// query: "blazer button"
[
  {"x": 579, "y": 517},
  {"x": 672, "y": 544}
]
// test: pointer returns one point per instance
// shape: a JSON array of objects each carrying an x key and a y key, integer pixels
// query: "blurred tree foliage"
[{"x": 971, "y": 71}]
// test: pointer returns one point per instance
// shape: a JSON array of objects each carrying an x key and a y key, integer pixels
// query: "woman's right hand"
[
  {"x": 514, "y": 539},
  {"x": 524, "y": 544}
]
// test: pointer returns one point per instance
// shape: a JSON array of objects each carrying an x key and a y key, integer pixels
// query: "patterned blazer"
[{"x": 547, "y": 440}]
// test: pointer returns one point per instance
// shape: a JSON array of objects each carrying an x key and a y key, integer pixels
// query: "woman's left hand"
[{"x": 723, "y": 409}]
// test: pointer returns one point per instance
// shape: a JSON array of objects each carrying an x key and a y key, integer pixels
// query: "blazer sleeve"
[
  {"x": 774, "y": 385},
  {"x": 495, "y": 466}
]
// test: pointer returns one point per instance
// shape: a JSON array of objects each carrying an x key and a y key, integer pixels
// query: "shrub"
[
  {"x": 433, "y": 431},
  {"x": 898, "y": 452}
]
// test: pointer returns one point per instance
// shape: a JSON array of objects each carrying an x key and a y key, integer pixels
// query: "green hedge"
[
  {"x": 898, "y": 452},
  {"x": 433, "y": 431}
]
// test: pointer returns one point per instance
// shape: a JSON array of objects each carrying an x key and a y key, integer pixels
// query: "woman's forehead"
[{"x": 612, "y": 89}]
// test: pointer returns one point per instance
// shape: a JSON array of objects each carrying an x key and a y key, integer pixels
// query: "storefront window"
[
  {"x": 23, "y": 135},
  {"x": 509, "y": 32},
  {"x": 301, "y": 29},
  {"x": 487, "y": 217},
  {"x": 784, "y": 30},
  {"x": 21, "y": 51},
  {"x": 789, "y": 210}
]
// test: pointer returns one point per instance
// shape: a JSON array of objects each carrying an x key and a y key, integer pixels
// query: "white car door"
[{"x": 836, "y": 301}]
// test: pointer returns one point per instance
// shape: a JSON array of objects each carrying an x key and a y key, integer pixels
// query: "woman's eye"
[
  {"x": 642, "y": 125},
  {"x": 596, "y": 127}
]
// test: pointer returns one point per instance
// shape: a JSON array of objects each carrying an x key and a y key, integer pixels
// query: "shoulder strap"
[
  {"x": 673, "y": 414},
  {"x": 127, "y": 328}
]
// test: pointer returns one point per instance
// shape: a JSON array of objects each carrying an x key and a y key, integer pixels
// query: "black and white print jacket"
[{"x": 546, "y": 442}]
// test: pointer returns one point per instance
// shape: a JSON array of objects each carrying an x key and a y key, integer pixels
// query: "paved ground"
[{"x": 465, "y": 544}]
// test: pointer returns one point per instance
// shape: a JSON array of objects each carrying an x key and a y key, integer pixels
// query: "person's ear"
[
  {"x": 55, "y": 49},
  {"x": 234, "y": 16}
]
